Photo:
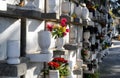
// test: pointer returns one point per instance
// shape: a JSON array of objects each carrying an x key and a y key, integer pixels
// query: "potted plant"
[
  {"x": 61, "y": 65},
  {"x": 58, "y": 32},
  {"x": 53, "y": 69}
]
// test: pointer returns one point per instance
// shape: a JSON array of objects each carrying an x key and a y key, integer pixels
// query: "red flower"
[
  {"x": 63, "y": 22},
  {"x": 64, "y": 33},
  {"x": 49, "y": 27},
  {"x": 65, "y": 61},
  {"x": 57, "y": 63},
  {"x": 59, "y": 59},
  {"x": 53, "y": 64},
  {"x": 50, "y": 63},
  {"x": 67, "y": 30}
]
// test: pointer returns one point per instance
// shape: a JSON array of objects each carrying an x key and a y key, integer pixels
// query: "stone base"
[
  {"x": 13, "y": 70},
  {"x": 37, "y": 57},
  {"x": 77, "y": 71}
]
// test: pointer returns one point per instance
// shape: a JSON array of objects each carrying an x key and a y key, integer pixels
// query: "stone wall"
[{"x": 10, "y": 30}]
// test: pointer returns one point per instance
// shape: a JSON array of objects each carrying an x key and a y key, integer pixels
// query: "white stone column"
[{"x": 13, "y": 51}]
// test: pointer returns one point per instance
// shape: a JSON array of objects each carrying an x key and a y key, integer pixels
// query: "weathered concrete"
[
  {"x": 20, "y": 12},
  {"x": 9, "y": 70},
  {"x": 70, "y": 46}
]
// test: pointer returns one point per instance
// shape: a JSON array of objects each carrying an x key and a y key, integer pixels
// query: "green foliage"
[
  {"x": 95, "y": 75},
  {"x": 59, "y": 63},
  {"x": 64, "y": 71}
]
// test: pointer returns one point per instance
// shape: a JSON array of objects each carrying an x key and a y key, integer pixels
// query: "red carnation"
[
  {"x": 53, "y": 64},
  {"x": 67, "y": 30},
  {"x": 56, "y": 65},
  {"x": 63, "y": 20},
  {"x": 64, "y": 33},
  {"x": 49, "y": 27},
  {"x": 63, "y": 24},
  {"x": 65, "y": 61}
]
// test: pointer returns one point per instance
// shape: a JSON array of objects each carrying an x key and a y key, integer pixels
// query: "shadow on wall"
[
  {"x": 33, "y": 27},
  {"x": 34, "y": 70},
  {"x": 9, "y": 30}
]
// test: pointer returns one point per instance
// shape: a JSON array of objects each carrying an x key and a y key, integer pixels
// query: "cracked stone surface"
[{"x": 110, "y": 67}]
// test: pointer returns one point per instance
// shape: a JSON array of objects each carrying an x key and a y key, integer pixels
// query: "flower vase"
[
  {"x": 65, "y": 7},
  {"x": 44, "y": 41},
  {"x": 59, "y": 43},
  {"x": 86, "y": 36},
  {"x": 51, "y": 6},
  {"x": 78, "y": 10},
  {"x": 13, "y": 51},
  {"x": 54, "y": 74},
  {"x": 85, "y": 13}
]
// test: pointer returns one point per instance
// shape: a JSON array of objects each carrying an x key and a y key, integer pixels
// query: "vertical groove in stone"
[{"x": 23, "y": 37}]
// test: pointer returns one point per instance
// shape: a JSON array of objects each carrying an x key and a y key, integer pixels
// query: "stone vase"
[
  {"x": 51, "y": 4},
  {"x": 54, "y": 74},
  {"x": 85, "y": 13},
  {"x": 59, "y": 43},
  {"x": 78, "y": 11},
  {"x": 44, "y": 40},
  {"x": 13, "y": 51},
  {"x": 65, "y": 7},
  {"x": 86, "y": 36}
]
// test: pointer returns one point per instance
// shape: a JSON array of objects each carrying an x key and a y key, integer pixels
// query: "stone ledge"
[
  {"x": 58, "y": 52},
  {"x": 9, "y": 70},
  {"x": 12, "y": 70},
  {"x": 89, "y": 71},
  {"x": 37, "y": 57},
  {"x": 14, "y": 11},
  {"x": 22, "y": 60},
  {"x": 70, "y": 46},
  {"x": 77, "y": 71}
]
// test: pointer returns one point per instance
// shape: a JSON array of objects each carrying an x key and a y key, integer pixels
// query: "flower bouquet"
[
  {"x": 60, "y": 64},
  {"x": 58, "y": 30}
]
